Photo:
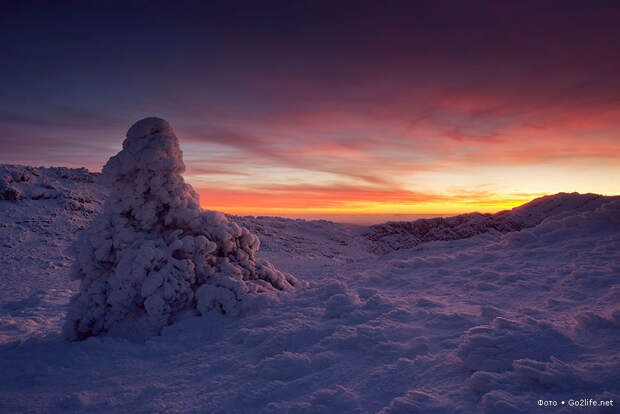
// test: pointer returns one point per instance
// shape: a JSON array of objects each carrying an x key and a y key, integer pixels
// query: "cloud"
[
  {"x": 363, "y": 101},
  {"x": 195, "y": 171}
]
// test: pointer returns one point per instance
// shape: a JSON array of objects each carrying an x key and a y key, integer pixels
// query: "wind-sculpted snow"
[
  {"x": 154, "y": 253},
  {"x": 494, "y": 347},
  {"x": 490, "y": 323}
]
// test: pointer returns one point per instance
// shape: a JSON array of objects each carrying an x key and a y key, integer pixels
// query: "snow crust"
[
  {"x": 154, "y": 253},
  {"x": 488, "y": 323}
]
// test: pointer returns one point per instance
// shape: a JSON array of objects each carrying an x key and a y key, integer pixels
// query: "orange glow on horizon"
[
  {"x": 294, "y": 203},
  {"x": 466, "y": 151}
]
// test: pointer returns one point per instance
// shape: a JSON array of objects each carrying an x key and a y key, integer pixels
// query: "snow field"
[{"x": 489, "y": 323}]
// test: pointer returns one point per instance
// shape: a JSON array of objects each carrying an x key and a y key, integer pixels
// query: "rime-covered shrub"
[{"x": 154, "y": 254}]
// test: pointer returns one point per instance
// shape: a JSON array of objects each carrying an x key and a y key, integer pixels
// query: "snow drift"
[{"x": 154, "y": 253}]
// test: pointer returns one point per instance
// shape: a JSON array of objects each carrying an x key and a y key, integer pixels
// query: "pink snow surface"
[{"x": 470, "y": 314}]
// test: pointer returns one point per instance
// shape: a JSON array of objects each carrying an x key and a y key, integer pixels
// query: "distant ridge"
[
  {"x": 79, "y": 190},
  {"x": 405, "y": 235}
]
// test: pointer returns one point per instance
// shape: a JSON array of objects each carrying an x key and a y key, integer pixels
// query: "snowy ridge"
[
  {"x": 19, "y": 182},
  {"x": 489, "y": 323},
  {"x": 405, "y": 235}
]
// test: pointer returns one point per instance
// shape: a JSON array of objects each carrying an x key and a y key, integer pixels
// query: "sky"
[{"x": 326, "y": 108}]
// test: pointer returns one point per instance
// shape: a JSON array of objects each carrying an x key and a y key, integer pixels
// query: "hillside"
[{"x": 473, "y": 313}]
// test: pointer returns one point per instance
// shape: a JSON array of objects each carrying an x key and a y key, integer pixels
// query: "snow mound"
[{"x": 154, "y": 254}]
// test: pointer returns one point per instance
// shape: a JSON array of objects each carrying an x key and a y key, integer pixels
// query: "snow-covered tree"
[{"x": 154, "y": 254}]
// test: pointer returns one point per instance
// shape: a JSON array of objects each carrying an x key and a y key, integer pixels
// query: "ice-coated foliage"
[{"x": 154, "y": 253}]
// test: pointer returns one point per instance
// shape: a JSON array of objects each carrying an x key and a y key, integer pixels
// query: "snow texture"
[
  {"x": 28, "y": 183},
  {"x": 154, "y": 254},
  {"x": 490, "y": 321}
]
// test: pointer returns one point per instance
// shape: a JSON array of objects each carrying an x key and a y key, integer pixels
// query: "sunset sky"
[{"x": 326, "y": 108}]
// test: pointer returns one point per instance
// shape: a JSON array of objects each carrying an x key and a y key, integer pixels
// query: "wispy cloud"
[{"x": 296, "y": 108}]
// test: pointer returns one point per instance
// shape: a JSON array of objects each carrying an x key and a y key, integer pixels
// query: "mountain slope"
[
  {"x": 405, "y": 235},
  {"x": 524, "y": 308}
]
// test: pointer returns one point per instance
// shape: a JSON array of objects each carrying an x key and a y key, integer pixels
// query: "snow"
[
  {"x": 153, "y": 254},
  {"x": 54, "y": 203},
  {"x": 19, "y": 182},
  {"x": 481, "y": 313},
  {"x": 404, "y": 235}
]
